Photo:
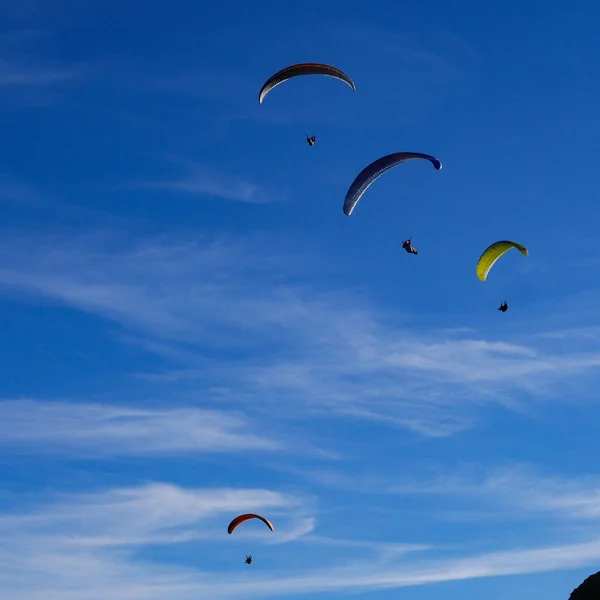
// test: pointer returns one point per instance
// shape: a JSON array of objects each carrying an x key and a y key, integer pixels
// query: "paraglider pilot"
[
  {"x": 407, "y": 245},
  {"x": 249, "y": 559},
  {"x": 504, "y": 306},
  {"x": 311, "y": 140}
]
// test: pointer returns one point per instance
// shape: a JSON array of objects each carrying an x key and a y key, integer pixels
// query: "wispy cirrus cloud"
[
  {"x": 18, "y": 73},
  {"x": 100, "y": 430},
  {"x": 26, "y": 60},
  {"x": 297, "y": 343},
  {"x": 519, "y": 489},
  {"x": 477, "y": 494},
  {"x": 123, "y": 516},
  {"x": 32, "y": 72},
  {"x": 203, "y": 181},
  {"x": 94, "y": 545},
  {"x": 16, "y": 192},
  {"x": 85, "y": 543}
]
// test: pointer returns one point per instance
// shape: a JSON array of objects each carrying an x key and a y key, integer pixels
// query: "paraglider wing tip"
[
  {"x": 264, "y": 90},
  {"x": 438, "y": 165}
]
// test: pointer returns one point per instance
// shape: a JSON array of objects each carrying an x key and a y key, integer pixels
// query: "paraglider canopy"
[
  {"x": 493, "y": 253},
  {"x": 303, "y": 69},
  {"x": 371, "y": 172},
  {"x": 246, "y": 517}
]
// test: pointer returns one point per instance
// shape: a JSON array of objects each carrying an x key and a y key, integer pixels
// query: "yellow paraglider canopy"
[{"x": 493, "y": 253}]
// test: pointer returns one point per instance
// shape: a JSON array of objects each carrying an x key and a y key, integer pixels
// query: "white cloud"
[
  {"x": 102, "y": 430},
  {"x": 363, "y": 577},
  {"x": 202, "y": 181},
  {"x": 84, "y": 545},
  {"x": 91, "y": 546},
  {"x": 12, "y": 74},
  {"x": 299, "y": 345},
  {"x": 520, "y": 489},
  {"x": 26, "y": 62},
  {"x": 477, "y": 494},
  {"x": 126, "y": 515}
]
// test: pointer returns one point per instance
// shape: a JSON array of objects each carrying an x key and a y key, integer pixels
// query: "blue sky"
[{"x": 191, "y": 328}]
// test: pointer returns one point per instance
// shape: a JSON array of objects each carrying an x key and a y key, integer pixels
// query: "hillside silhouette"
[{"x": 588, "y": 590}]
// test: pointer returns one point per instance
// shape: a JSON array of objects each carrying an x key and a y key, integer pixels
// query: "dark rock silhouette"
[{"x": 588, "y": 590}]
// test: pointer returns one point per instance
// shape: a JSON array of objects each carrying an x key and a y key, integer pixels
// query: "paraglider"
[
  {"x": 370, "y": 173},
  {"x": 303, "y": 69},
  {"x": 504, "y": 306},
  {"x": 311, "y": 140},
  {"x": 493, "y": 253},
  {"x": 407, "y": 245},
  {"x": 248, "y": 559},
  {"x": 246, "y": 517}
]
